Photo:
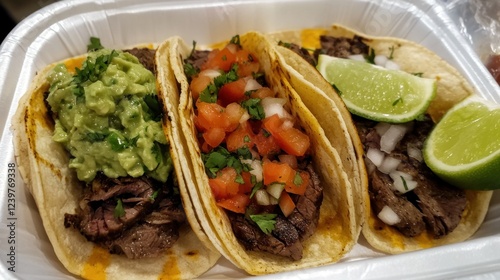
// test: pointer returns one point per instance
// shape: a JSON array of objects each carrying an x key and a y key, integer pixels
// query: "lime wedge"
[
  {"x": 377, "y": 93},
  {"x": 464, "y": 147}
]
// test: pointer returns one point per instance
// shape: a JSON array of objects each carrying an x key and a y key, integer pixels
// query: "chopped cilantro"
[
  {"x": 91, "y": 71},
  {"x": 190, "y": 70},
  {"x": 220, "y": 158},
  {"x": 284, "y": 44},
  {"x": 266, "y": 222},
  {"x": 153, "y": 105},
  {"x": 404, "y": 183},
  {"x": 297, "y": 180},
  {"x": 246, "y": 139},
  {"x": 119, "y": 211},
  {"x": 266, "y": 133},
  {"x": 256, "y": 187},
  {"x": 254, "y": 108},
  {"x": 235, "y": 40},
  {"x": 418, "y": 74},
  {"x": 244, "y": 152},
  {"x": 209, "y": 94},
  {"x": 95, "y": 136},
  {"x": 118, "y": 142},
  {"x": 154, "y": 195},
  {"x": 239, "y": 179},
  {"x": 95, "y": 44},
  {"x": 370, "y": 58}
]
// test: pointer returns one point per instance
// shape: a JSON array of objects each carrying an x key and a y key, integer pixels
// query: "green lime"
[
  {"x": 377, "y": 93},
  {"x": 464, "y": 147}
]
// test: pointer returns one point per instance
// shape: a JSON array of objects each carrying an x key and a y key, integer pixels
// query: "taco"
[
  {"x": 268, "y": 188},
  {"x": 92, "y": 146},
  {"x": 432, "y": 214}
]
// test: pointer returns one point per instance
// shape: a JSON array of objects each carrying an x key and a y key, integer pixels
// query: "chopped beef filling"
[
  {"x": 144, "y": 225},
  {"x": 289, "y": 232}
]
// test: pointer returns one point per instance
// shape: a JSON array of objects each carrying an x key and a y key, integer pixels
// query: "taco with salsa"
[
  {"x": 269, "y": 189},
  {"x": 92, "y": 144},
  {"x": 406, "y": 206}
]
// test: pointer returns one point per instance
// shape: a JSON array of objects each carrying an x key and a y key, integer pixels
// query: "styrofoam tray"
[{"x": 62, "y": 30}]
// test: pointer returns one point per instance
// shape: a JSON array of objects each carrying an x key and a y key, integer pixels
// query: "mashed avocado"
[{"x": 108, "y": 117}]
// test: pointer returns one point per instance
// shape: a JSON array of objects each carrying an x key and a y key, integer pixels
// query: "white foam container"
[{"x": 63, "y": 29}]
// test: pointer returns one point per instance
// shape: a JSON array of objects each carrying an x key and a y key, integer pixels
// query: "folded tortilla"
[
  {"x": 43, "y": 165},
  {"x": 412, "y": 58},
  {"x": 337, "y": 229}
]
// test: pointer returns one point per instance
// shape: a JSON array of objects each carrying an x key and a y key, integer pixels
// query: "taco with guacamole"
[
  {"x": 268, "y": 187},
  {"x": 92, "y": 143},
  {"x": 406, "y": 206}
]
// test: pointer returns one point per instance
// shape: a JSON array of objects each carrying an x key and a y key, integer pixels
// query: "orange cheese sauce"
[
  {"x": 73, "y": 63},
  {"x": 170, "y": 269},
  {"x": 310, "y": 38},
  {"x": 95, "y": 267}
]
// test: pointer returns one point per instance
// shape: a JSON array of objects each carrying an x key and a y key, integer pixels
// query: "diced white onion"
[
  {"x": 391, "y": 65},
  {"x": 375, "y": 156},
  {"x": 391, "y": 137},
  {"x": 382, "y": 128},
  {"x": 389, "y": 164},
  {"x": 380, "y": 60},
  {"x": 358, "y": 57},
  {"x": 273, "y": 201},
  {"x": 262, "y": 197},
  {"x": 233, "y": 48},
  {"x": 252, "y": 84},
  {"x": 401, "y": 179},
  {"x": 245, "y": 117},
  {"x": 275, "y": 189},
  {"x": 256, "y": 166},
  {"x": 211, "y": 73},
  {"x": 388, "y": 216},
  {"x": 274, "y": 106},
  {"x": 287, "y": 124},
  {"x": 414, "y": 152}
]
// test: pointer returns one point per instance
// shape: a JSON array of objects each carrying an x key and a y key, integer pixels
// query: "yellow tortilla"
[
  {"x": 43, "y": 165},
  {"x": 412, "y": 58},
  {"x": 336, "y": 232}
]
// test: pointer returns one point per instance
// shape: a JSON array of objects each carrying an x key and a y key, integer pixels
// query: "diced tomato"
[
  {"x": 290, "y": 139},
  {"x": 265, "y": 143},
  {"x": 232, "y": 92},
  {"x": 293, "y": 141},
  {"x": 262, "y": 93},
  {"x": 247, "y": 186},
  {"x": 247, "y": 63},
  {"x": 242, "y": 136},
  {"x": 286, "y": 204},
  {"x": 224, "y": 185},
  {"x": 237, "y": 203},
  {"x": 299, "y": 189},
  {"x": 234, "y": 113},
  {"x": 277, "y": 172},
  {"x": 222, "y": 60},
  {"x": 214, "y": 136},
  {"x": 211, "y": 115},
  {"x": 205, "y": 148},
  {"x": 198, "y": 84}
]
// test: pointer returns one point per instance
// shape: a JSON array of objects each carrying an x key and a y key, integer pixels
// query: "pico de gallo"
[{"x": 251, "y": 145}]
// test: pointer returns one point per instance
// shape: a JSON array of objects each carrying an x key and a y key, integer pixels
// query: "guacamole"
[{"x": 108, "y": 117}]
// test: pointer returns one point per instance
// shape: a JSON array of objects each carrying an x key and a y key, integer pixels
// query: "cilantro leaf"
[
  {"x": 154, "y": 107},
  {"x": 119, "y": 211},
  {"x": 266, "y": 222},
  {"x": 254, "y": 108},
  {"x": 235, "y": 40},
  {"x": 370, "y": 58},
  {"x": 95, "y": 44}
]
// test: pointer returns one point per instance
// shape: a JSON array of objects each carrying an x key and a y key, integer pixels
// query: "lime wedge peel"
[
  {"x": 377, "y": 93},
  {"x": 464, "y": 147}
]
